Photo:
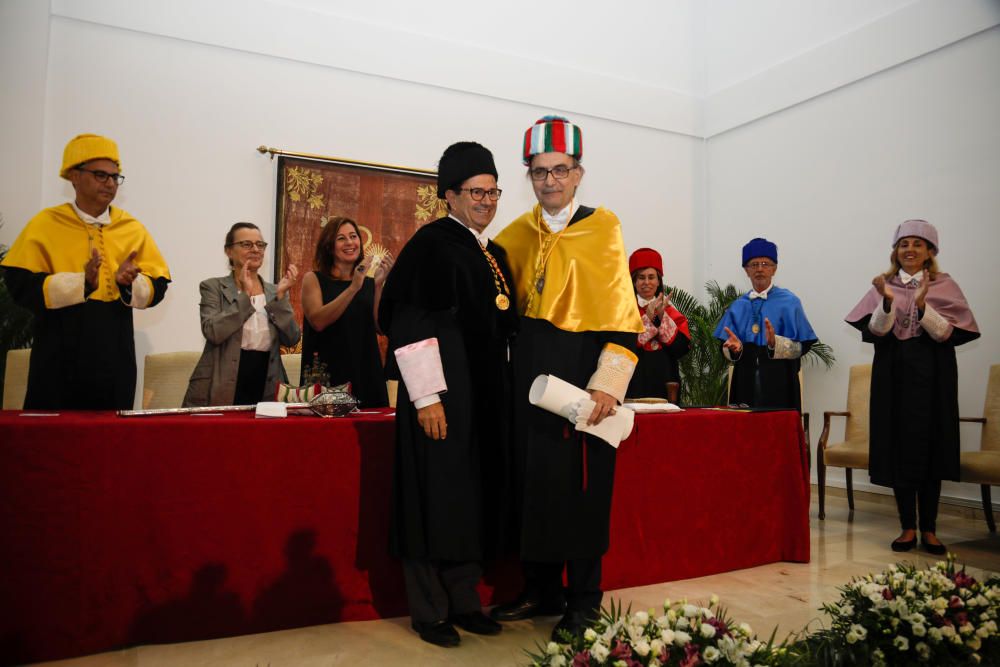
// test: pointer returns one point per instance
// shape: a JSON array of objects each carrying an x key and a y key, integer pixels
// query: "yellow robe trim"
[
  {"x": 587, "y": 283},
  {"x": 57, "y": 241}
]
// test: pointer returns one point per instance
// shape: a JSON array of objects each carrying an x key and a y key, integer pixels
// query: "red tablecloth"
[{"x": 129, "y": 530}]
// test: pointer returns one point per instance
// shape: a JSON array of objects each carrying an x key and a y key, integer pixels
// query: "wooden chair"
[
  {"x": 983, "y": 467},
  {"x": 165, "y": 378},
  {"x": 852, "y": 453},
  {"x": 15, "y": 379}
]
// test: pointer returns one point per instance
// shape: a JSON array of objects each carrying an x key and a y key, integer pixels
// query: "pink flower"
[
  {"x": 887, "y": 594},
  {"x": 962, "y": 580},
  {"x": 581, "y": 659},
  {"x": 961, "y": 618},
  {"x": 955, "y": 602},
  {"x": 620, "y": 650},
  {"x": 720, "y": 626},
  {"x": 691, "y": 656}
]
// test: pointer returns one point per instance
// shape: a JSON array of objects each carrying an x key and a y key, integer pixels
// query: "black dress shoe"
[
  {"x": 936, "y": 549},
  {"x": 528, "y": 606},
  {"x": 904, "y": 546},
  {"x": 476, "y": 622},
  {"x": 441, "y": 633},
  {"x": 573, "y": 622}
]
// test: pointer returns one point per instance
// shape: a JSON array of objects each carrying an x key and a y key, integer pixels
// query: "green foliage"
[{"x": 704, "y": 371}]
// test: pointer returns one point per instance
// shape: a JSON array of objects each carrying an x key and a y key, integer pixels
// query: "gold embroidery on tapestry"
[
  {"x": 429, "y": 207},
  {"x": 302, "y": 184}
]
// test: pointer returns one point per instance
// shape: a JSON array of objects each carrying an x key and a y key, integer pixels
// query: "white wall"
[{"x": 830, "y": 179}]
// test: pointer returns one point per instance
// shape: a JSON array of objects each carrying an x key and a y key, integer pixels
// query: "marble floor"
[{"x": 786, "y": 596}]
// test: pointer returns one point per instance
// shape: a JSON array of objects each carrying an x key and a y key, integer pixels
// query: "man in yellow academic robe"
[
  {"x": 81, "y": 268},
  {"x": 578, "y": 323}
]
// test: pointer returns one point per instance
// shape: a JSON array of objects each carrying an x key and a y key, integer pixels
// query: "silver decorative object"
[{"x": 333, "y": 403}]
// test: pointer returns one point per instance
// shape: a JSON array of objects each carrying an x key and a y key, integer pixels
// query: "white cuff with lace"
[
  {"x": 614, "y": 371},
  {"x": 786, "y": 348},
  {"x": 881, "y": 322},
  {"x": 935, "y": 325}
]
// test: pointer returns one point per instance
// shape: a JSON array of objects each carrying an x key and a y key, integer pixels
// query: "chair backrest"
[
  {"x": 293, "y": 367},
  {"x": 15, "y": 379},
  {"x": 858, "y": 393},
  {"x": 991, "y": 410},
  {"x": 165, "y": 378}
]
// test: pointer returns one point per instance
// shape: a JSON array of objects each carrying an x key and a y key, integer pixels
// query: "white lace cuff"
[
  {"x": 614, "y": 371},
  {"x": 935, "y": 325},
  {"x": 142, "y": 292},
  {"x": 786, "y": 348},
  {"x": 63, "y": 289},
  {"x": 668, "y": 329},
  {"x": 420, "y": 365},
  {"x": 881, "y": 322}
]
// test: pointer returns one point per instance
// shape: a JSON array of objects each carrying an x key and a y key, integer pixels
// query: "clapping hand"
[
  {"x": 287, "y": 280},
  {"x": 882, "y": 287},
  {"x": 733, "y": 343},
  {"x": 382, "y": 270},
  {"x": 360, "y": 271},
  {"x": 769, "y": 331},
  {"x": 90, "y": 270},
  {"x": 248, "y": 281},
  {"x": 127, "y": 270}
]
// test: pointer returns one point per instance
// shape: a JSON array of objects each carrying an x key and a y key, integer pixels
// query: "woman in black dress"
[{"x": 339, "y": 304}]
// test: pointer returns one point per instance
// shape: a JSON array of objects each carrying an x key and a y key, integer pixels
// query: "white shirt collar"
[
  {"x": 558, "y": 221},
  {"x": 481, "y": 238},
  {"x": 101, "y": 220},
  {"x": 906, "y": 278},
  {"x": 760, "y": 295}
]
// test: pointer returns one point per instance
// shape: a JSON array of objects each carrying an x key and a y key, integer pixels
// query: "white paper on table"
[
  {"x": 653, "y": 407},
  {"x": 271, "y": 409},
  {"x": 560, "y": 397}
]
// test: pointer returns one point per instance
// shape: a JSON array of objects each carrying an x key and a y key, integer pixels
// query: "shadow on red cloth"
[
  {"x": 304, "y": 594},
  {"x": 207, "y": 611}
]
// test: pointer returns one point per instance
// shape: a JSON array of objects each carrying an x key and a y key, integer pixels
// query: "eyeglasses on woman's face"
[{"x": 247, "y": 245}]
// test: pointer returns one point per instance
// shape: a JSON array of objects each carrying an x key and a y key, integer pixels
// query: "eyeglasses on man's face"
[
  {"x": 559, "y": 172},
  {"x": 760, "y": 265},
  {"x": 247, "y": 245},
  {"x": 477, "y": 194},
  {"x": 103, "y": 176}
]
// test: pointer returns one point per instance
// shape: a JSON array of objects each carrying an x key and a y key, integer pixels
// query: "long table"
[{"x": 117, "y": 531}]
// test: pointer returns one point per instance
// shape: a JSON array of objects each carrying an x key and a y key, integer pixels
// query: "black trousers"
[
  {"x": 926, "y": 497},
  {"x": 436, "y": 590},
  {"x": 583, "y": 582},
  {"x": 251, "y": 377}
]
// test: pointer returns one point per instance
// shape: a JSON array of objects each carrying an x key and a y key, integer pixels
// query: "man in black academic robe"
[{"x": 450, "y": 316}]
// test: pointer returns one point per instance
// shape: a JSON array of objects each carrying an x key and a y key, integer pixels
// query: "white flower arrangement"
[
  {"x": 683, "y": 635},
  {"x": 902, "y": 616}
]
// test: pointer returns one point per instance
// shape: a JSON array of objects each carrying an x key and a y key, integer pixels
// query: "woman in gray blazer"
[{"x": 245, "y": 321}]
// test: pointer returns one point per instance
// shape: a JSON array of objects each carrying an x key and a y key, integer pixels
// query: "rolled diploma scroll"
[{"x": 561, "y": 398}]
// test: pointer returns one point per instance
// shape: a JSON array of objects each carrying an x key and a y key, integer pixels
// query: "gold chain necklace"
[
  {"x": 544, "y": 253},
  {"x": 502, "y": 299}
]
